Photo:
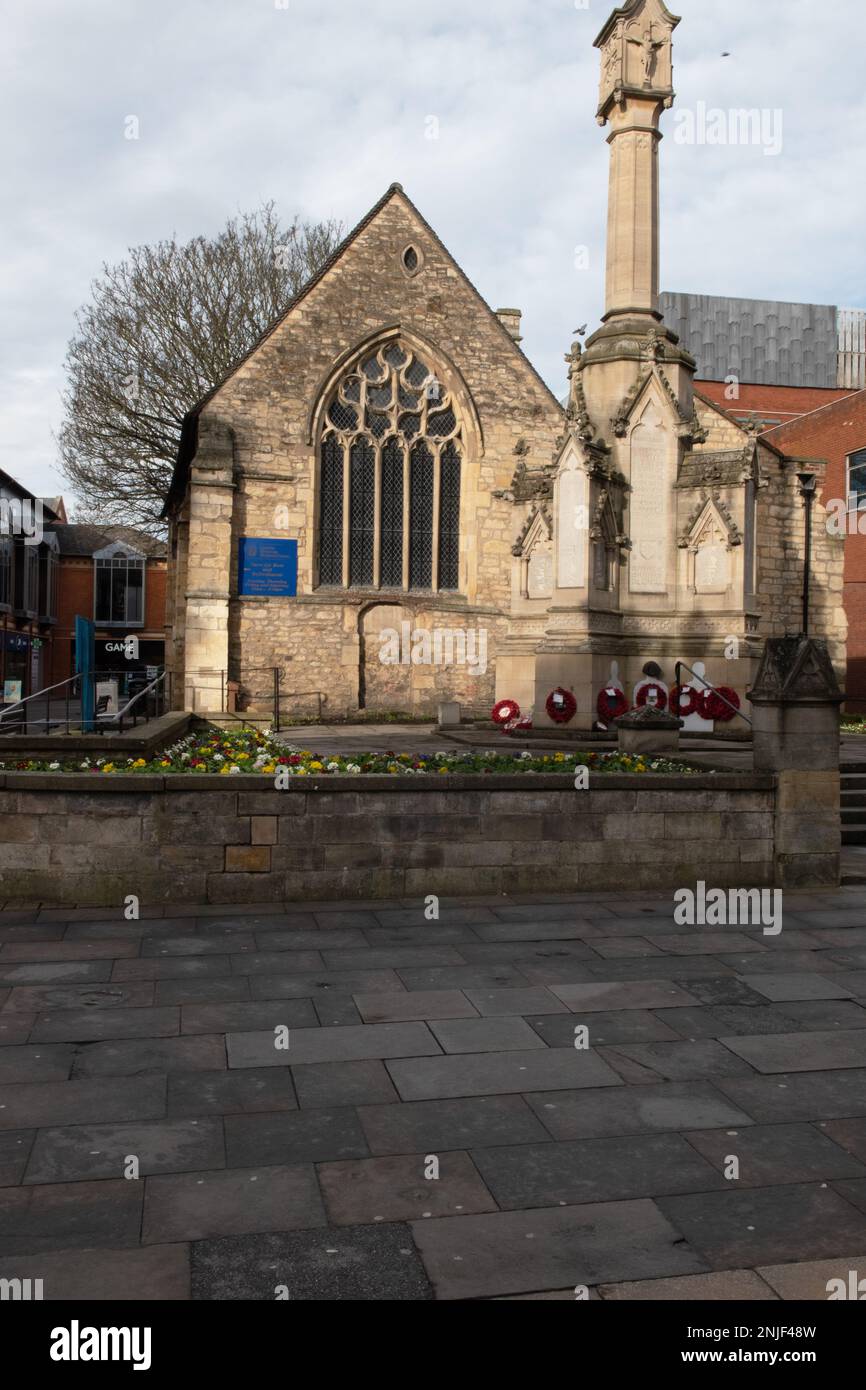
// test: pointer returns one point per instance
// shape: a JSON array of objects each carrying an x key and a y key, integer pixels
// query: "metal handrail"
[
  {"x": 37, "y": 695},
  {"x": 683, "y": 666},
  {"x": 121, "y": 713}
]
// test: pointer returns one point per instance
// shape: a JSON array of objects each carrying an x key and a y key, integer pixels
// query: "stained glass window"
[
  {"x": 331, "y": 526},
  {"x": 395, "y": 425}
]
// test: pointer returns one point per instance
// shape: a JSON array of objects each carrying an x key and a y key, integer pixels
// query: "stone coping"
[
  {"x": 142, "y": 738},
  {"x": 454, "y": 782}
]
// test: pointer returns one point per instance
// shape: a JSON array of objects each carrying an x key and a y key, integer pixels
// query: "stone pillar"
[
  {"x": 795, "y": 703},
  {"x": 209, "y": 567},
  {"x": 632, "y": 277}
]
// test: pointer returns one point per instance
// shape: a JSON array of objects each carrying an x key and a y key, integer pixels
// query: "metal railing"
[
  {"x": 706, "y": 685},
  {"x": 210, "y": 690},
  {"x": 161, "y": 684},
  {"x": 17, "y": 719}
]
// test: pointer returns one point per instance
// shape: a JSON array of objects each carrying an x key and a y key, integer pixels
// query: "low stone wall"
[{"x": 93, "y": 841}]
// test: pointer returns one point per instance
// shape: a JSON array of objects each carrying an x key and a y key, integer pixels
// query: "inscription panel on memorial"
[
  {"x": 650, "y": 505},
  {"x": 572, "y": 527}
]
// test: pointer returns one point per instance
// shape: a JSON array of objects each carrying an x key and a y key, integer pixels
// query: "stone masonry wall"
[{"x": 69, "y": 839}]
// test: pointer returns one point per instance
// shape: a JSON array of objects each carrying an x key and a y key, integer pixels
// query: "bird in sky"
[
  {"x": 579, "y": 332},
  {"x": 726, "y": 55}
]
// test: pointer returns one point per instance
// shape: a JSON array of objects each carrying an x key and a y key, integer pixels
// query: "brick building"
[{"x": 114, "y": 575}]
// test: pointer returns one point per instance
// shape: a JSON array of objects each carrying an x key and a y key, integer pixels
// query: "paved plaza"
[{"x": 350, "y": 1101}]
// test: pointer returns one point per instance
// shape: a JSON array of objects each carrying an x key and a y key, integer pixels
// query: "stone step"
[
  {"x": 853, "y": 815},
  {"x": 853, "y": 768},
  {"x": 854, "y": 834},
  {"x": 853, "y": 798}
]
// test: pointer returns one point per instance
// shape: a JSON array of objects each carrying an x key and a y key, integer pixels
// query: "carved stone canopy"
[
  {"x": 711, "y": 507},
  {"x": 796, "y": 670},
  {"x": 635, "y": 46}
]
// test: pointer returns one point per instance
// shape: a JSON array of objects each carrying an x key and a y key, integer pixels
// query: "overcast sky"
[{"x": 321, "y": 104}]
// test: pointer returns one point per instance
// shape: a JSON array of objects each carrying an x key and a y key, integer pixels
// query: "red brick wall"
[
  {"x": 75, "y": 598},
  {"x": 832, "y": 434}
]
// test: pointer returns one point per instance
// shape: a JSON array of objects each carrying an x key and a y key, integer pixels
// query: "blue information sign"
[{"x": 267, "y": 568}]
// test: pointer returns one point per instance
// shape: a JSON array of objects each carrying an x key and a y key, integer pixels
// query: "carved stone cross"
[{"x": 649, "y": 46}]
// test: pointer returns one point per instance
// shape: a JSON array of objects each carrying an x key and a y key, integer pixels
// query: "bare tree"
[{"x": 163, "y": 327}]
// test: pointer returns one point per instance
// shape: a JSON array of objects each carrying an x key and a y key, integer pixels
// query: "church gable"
[{"x": 392, "y": 271}]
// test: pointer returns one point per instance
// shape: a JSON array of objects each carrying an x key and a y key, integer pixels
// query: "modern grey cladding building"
[{"x": 770, "y": 343}]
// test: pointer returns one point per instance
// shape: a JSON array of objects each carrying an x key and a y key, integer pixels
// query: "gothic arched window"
[{"x": 391, "y": 454}]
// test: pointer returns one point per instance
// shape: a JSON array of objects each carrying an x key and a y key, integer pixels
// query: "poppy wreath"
[
  {"x": 611, "y": 706},
  {"x": 712, "y": 707},
  {"x": 504, "y": 712},
  {"x": 643, "y": 696},
  {"x": 684, "y": 701},
  {"x": 561, "y": 706}
]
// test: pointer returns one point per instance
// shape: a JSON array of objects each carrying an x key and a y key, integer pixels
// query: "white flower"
[
  {"x": 353, "y": 769},
  {"x": 233, "y": 769},
  {"x": 333, "y": 767},
  {"x": 526, "y": 755},
  {"x": 218, "y": 758},
  {"x": 52, "y": 767}
]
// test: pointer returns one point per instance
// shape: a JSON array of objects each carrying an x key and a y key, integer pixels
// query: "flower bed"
[{"x": 215, "y": 751}]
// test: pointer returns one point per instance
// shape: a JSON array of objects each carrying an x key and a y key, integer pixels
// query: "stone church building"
[{"x": 447, "y": 528}]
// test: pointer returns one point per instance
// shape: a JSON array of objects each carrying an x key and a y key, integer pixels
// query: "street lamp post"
[{"x": 808, "y": 491}]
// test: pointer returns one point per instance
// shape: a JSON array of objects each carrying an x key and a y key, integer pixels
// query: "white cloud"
[{"x": 323, "y": 104}]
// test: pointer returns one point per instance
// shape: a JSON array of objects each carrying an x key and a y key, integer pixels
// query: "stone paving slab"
[
  {"x": 674, "y": 1061},
  {"x": 239, "y": 1201},
  {"x": 85, "y": 1152},
  {"x": 523, "y": 1252},
  {"x": 635, "y": 1110},
  {"x": 304, "y": 1136},
  {"x": 15, "y": 1146},
  {"x": 770, "y": 1225},
  {"x": 45, "y": 1062},
  {"x": 82, "y": 1102},
  {"x": 358, "y": 1263},
  {"x": 157, "y": 1272},
  {"x": 769, "y": 1154},
  {"x": 46, "y": 998},
  {"x": 65, "y": 1215},
  {"x": 510, "y": 1002},
  {"x": 786, "y": 1051},
  {"x": 594, "y": 1170},
  {"x": 327, "y": 1084},
  {"x": 730, "y": 1286},
  {"x": 786, "y": 986},
  {"x": 821, "y": 1095},
  {"x": 616, "y": 1026},
  {"x": 809, "y": 1280},
  {"x": 398, "y": 1189},
  {"x": 346, "y": 1044},
  {"x": 476, "y": 1074},
  {"x": 221, "y": 990},
  {"x": 485, "y": 1035},
  {"x": 121, "y": 1058},
  {"x": 434, "y": 1126},
  {"x": 247, "y": 1016},
  {"x": 229, "y": 1092},
  {"x": 99, "y": 1025},
  {"x": 417, "y": 1005},
  {"x": 598, "y": 998}
]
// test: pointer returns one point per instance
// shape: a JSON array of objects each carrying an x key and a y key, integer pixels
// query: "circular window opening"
[{"x": 411, "y": 260}]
